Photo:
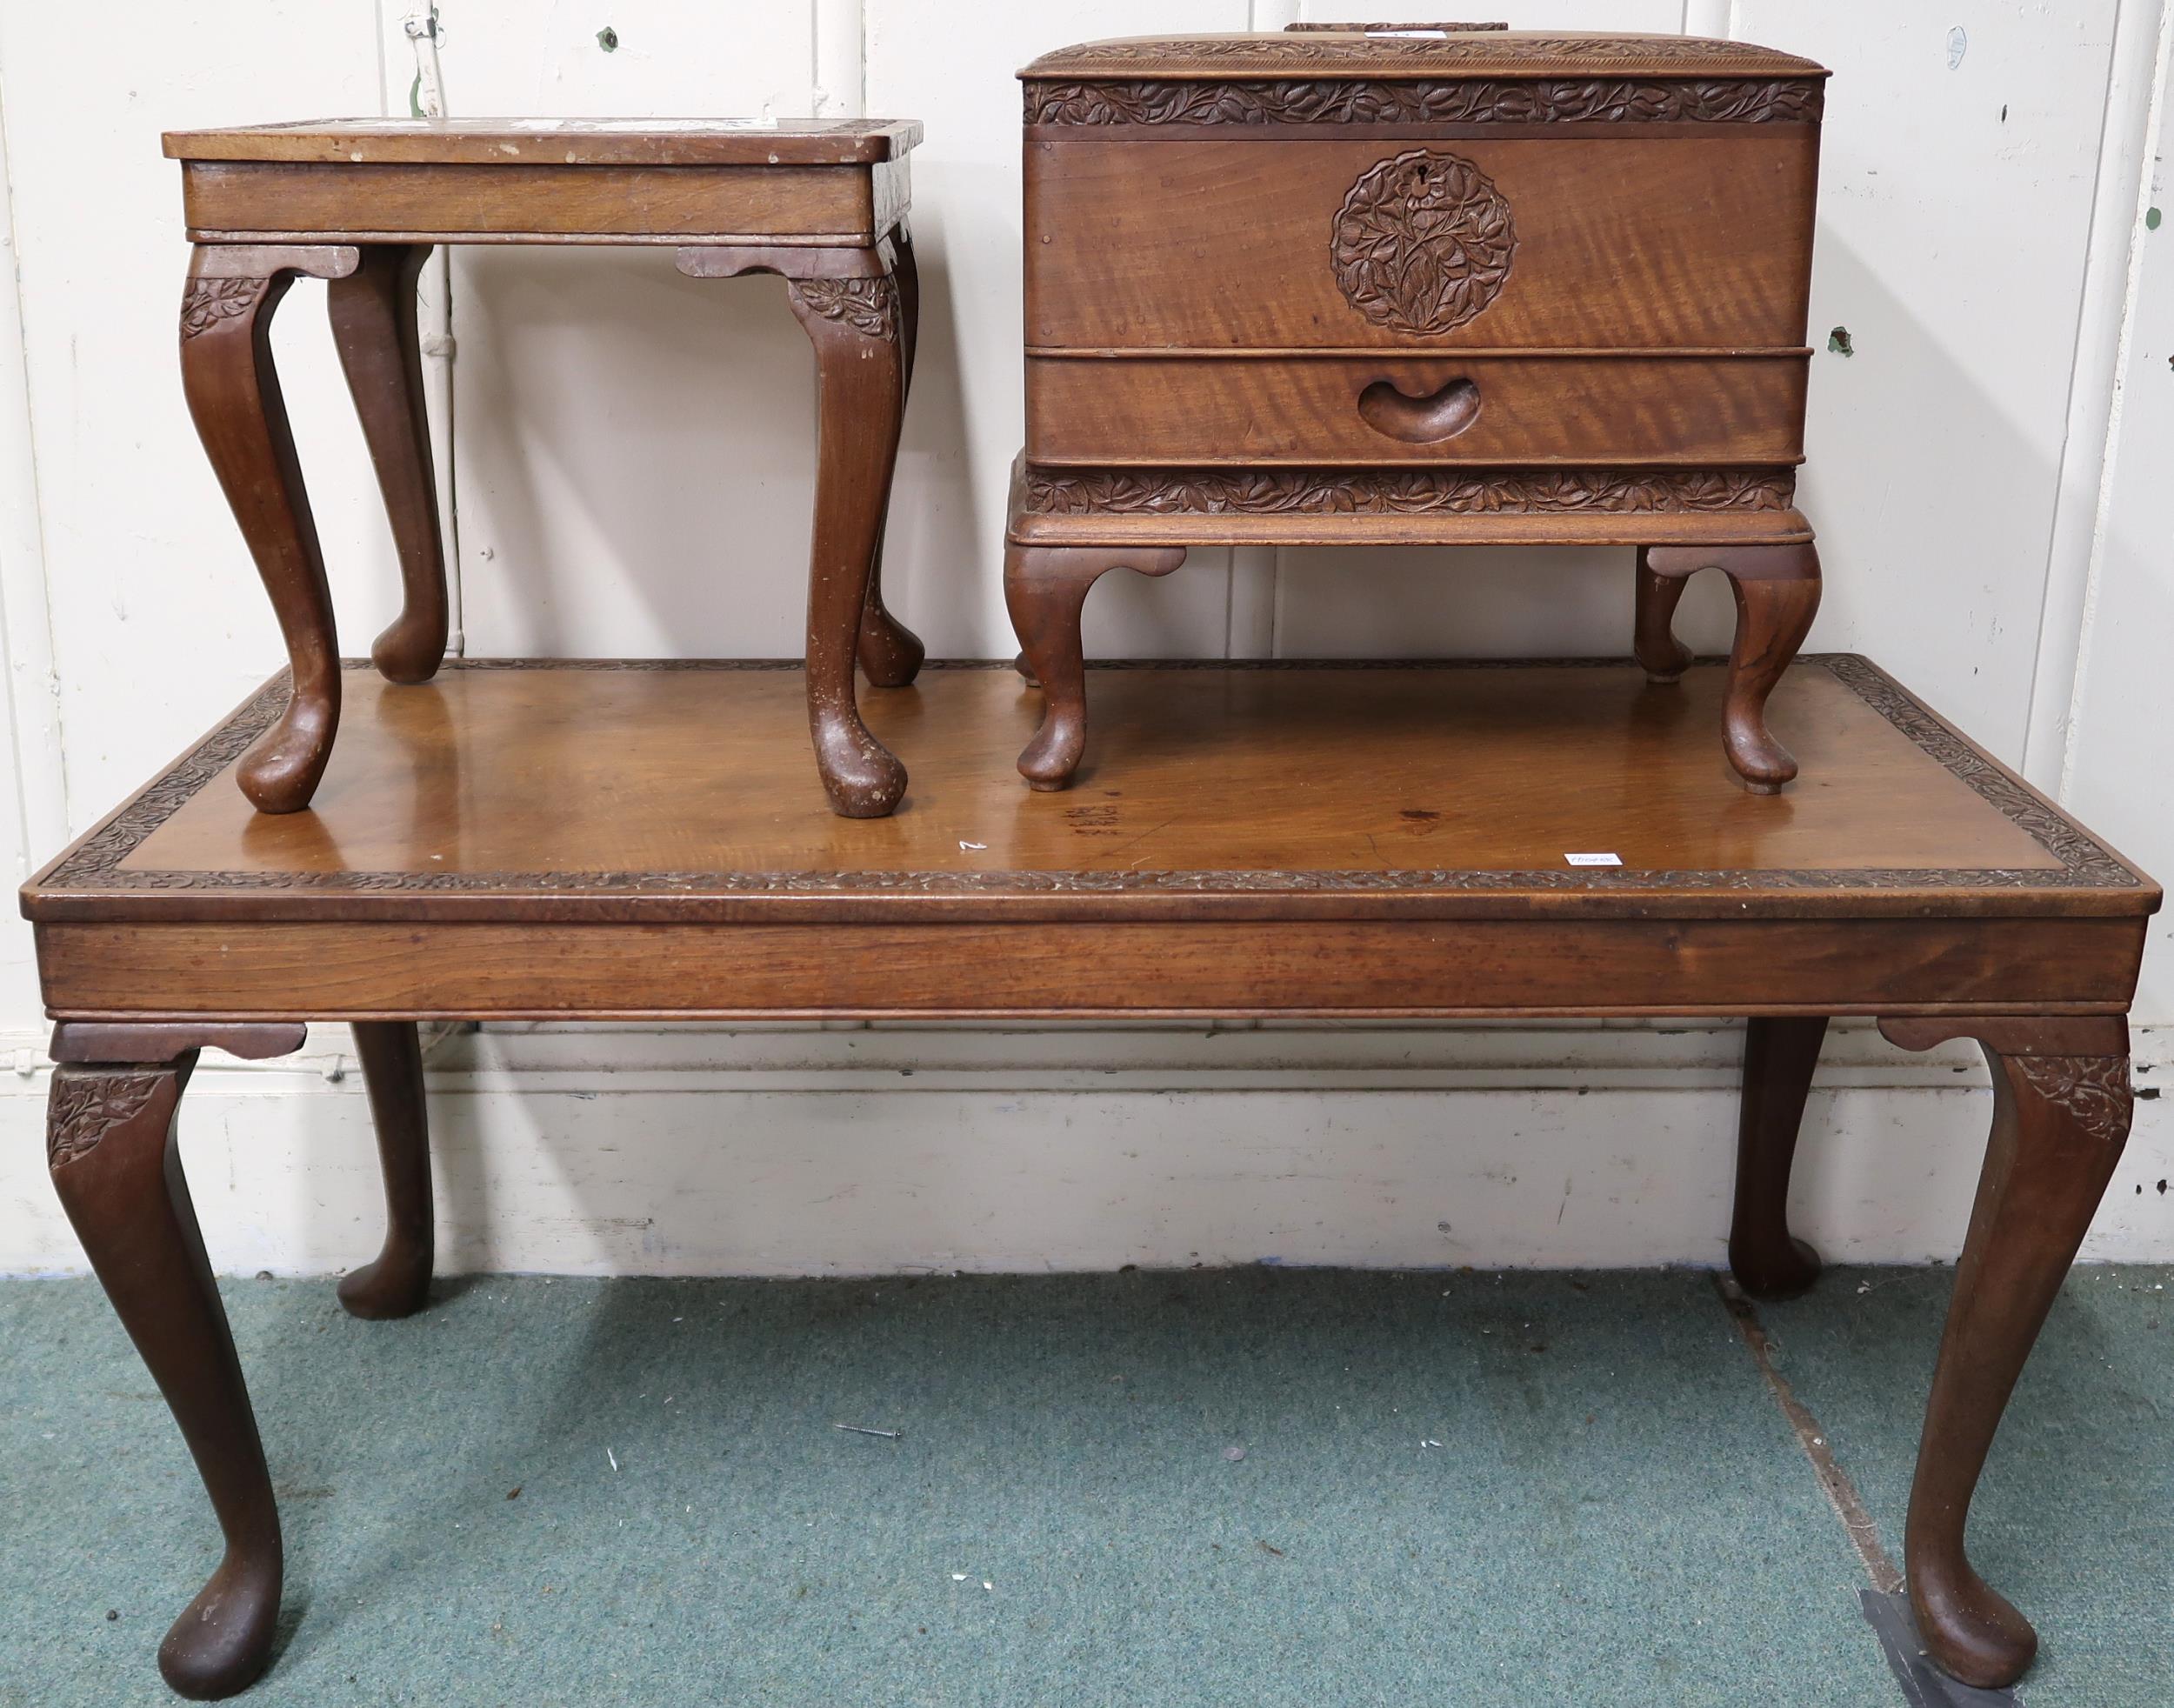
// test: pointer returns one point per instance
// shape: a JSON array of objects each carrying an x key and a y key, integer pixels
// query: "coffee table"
[{"x": 1338, "y": 841}]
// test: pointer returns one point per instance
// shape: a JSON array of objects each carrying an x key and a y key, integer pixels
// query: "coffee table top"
[
  {"x": 516, "y": 791},
  {"x": 555, "y": 141}
]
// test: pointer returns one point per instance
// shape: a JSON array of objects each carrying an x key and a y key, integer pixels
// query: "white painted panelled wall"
[{"x": 1991, "y": 472}]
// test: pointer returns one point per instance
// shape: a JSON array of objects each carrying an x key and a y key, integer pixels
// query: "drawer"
[
  {"x": 1564, "y": 242},
  {"x": 1615, "y": 411}
]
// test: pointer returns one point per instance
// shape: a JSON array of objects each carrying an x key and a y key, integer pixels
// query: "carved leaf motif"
[
  {"x": 1405, "y": 492},
  {"x": 88, "y": 1103},
  {"x": 870, "y": 306},
  {"x": 2094, "y": 1089},
  {"x": 1424, "y": 242},
  {"x": 207, "y": 302}
]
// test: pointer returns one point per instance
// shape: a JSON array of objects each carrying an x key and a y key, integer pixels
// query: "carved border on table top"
[
  {"x": 1277, "y": 491},
  {"x": 2080, "y": 855},
  {"x": 1470, "y": 101},
  {"x": 96, "y": 864},
  {"x": 2093, "y": 1090},
  {"x": 86, "y": 1104}
]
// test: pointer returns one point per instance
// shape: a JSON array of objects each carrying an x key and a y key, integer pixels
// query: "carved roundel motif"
[{"x": 1422, "y": 243}]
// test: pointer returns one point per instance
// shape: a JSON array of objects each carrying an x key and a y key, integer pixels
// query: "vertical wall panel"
[
  {"x": 158, "y": 621},
  {"x": 635, "y": 450},
  {"x": 34, "y": 807},
  {"x": 1956, "y": 190},
  {"x": 2121, "y": 746}
]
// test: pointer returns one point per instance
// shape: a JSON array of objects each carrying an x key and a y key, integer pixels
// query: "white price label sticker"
[
  {"x": 1594, "y": 859},
  {"x": 1409, "y": 35}
]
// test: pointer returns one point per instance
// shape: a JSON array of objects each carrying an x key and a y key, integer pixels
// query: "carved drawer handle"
[{"x": 1387, "y": 407}]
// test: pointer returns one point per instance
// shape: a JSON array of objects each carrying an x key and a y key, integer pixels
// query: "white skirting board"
[{"x": 851, "y": 1150}]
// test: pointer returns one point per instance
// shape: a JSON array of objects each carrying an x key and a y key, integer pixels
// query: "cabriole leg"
[
  {"x": 397, "y": 1282},
  {"x": 891, "y": 653},
  {"x": 1046, "y": 591},
  {"x": 1780, "y": 1055},
  {"x": 853, "y": 304},
  {"x": 110, "y": 1146},
  {"x": 855, "y": 325},
  {"x": 373, "y": 316},
  {"x": 1653, "y": 640},
  {"x": 2061, "y": 1109},
  {"x": 233, "y": 391},
  {"x": 1777, "y": 590}
]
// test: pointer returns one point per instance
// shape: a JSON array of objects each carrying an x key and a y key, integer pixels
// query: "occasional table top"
[
  {"x": 555, "y": 141},
  {"x": 514, "y": 791}
]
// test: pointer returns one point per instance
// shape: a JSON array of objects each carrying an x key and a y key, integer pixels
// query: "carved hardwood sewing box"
[{"x": 1435, "y": 284}]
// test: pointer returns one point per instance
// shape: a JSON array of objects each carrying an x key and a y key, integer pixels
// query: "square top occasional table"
[
  {"x": 1282, "y": 842},
  {"x": 361, "y": 202}
]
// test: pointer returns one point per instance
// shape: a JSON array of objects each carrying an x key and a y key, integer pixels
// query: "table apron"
[
  {"x": 1296, "y": 968},
  {"x": 543, "y": 203}
]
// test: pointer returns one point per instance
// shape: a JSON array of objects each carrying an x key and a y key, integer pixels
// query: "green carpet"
[
  {"x": 2074, "y": 1521},
  {"x": 1617, "y": 1512}
]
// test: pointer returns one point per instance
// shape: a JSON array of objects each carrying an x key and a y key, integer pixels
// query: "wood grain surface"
[
  {"x": 1643, "y": 411},
  {"x": 1215, "y": 241},
  {"x": 951, "y": 969},
  {"x": 295, "y": 201}
]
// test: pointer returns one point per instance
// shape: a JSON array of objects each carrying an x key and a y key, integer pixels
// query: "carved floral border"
[
  {"x": 2093, "y": 1090},
  {"x": 209, "y": 301},
  {"x": 1100, "y": 101},
  {"x": 870, "y": 306},
  {"x": 96, "y": 863},
  {"x": 88, "y": 1103},
  {"x": 1289, "y": 491}
]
